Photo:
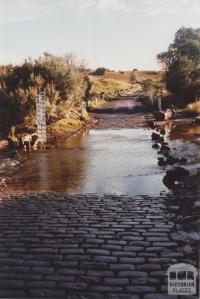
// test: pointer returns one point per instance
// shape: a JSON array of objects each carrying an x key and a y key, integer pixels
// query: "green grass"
[{"x": 65, "y": 125}]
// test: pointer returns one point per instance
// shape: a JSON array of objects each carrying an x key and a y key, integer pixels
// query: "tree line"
[{"x": 181, "y": 63}]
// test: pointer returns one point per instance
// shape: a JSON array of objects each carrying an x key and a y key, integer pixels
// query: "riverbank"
[{"x": 11, "y": 161}]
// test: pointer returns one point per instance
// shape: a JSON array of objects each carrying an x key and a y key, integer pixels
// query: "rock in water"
[
  {"x": 155, "y": 136},
  {"x": 161, "y": 162},
  {"x": 156, "y": 146},
  {"x": 151, "y": 125},
  {"x": 165, "y": 148},
  {"x": 160, "y": 116},
  {"x": 174, "y": 175},
  {"x": 171, "y": 160},
  {"x": 162, "y": 132}
]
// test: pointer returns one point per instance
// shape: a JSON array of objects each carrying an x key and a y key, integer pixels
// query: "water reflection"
[
  {"x": 185, "y": 141},
  {"x": 104, "y": 161},
  {"x": 183, "y": 131}
]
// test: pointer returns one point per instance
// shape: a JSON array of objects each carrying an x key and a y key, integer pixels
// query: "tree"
[
  {"x": 100, "y": 71},
  {"x": 182, "y": 63}
]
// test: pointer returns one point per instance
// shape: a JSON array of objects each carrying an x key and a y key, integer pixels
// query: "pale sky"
[{"x": 117, "y": 34}]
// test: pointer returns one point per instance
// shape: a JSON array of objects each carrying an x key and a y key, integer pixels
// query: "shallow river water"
[{"x": 102, "y": 161}]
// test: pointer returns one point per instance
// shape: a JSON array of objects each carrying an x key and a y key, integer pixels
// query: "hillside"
[
  {"x": 108, "y": 85},
  {"x": 140, "y": 75}
]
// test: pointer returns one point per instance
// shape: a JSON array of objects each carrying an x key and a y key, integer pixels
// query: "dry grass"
[
  {"x": 107, "y": 85},
  {"x": 140, "y": 75},
  {"x": 194, "y": 107},
  {"x": 64, "y": 125}
]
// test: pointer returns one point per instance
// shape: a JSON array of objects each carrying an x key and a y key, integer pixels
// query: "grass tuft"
[
  {"x": 194, "y": 108},
  {"x": 64, "y": 125}
]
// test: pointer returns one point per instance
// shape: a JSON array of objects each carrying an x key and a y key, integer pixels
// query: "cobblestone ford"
[{"x": 59, "y": 246}]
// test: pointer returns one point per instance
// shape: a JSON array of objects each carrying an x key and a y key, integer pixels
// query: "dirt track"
[{"x": 127, "y": 112}]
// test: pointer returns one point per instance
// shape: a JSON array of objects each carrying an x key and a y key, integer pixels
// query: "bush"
[
  {"x": 61, "y": 78},
  {"x": 194, "y": 108},
  {"x": 100, "y": 71}
]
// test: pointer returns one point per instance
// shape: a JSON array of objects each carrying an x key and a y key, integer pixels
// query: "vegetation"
[
  {"x": 182, "y": 64},
  {"x": 63, "y": 125},
  {"x": 133, "y": 77},
  {"x": 101, "y": 85},
  {"x": 153, "y": 90},
  {"x": 100, "y": 71},
  {"x": 194, "y": 108},
  {"x": 140, "y": 75},
  {"x": 61, "y": 78},
  {"x": 104, "y": 89}
]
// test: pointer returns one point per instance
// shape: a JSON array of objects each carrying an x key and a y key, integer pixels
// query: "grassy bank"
[
  {"x": 140, "y": 75},
  {"x": 108, "y": 89},
  {"x": 194, "y": 108}
]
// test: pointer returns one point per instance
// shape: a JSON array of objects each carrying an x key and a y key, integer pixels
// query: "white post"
[{"x": 41, "y": 117}]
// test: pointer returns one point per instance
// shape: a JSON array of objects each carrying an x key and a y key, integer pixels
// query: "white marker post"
[{"x": 41, "y": 117}]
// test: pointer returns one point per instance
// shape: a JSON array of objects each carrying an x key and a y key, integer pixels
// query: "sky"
[{"x": 116, "y": 34}]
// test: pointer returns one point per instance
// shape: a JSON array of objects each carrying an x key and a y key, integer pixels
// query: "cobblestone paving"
[{"x": 59, "y": 246}]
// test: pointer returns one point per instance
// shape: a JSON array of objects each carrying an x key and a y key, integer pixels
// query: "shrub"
[
  {"x": 194, "y": 108},
  {"x": 100, "y": 71},
  {"x": 61, "y": 78}
]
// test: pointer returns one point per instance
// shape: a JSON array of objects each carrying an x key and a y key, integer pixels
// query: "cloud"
[
  {"x": 23, "y": 10},
  {"x": 147, "y": 7},
  {"x": 168, "y": 7},
  {"x": 27, "y": 10},
  {"x": 122, "y": 5}
]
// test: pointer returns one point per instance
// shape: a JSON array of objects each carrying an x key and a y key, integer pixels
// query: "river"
[{"x": 111, "y": 158}]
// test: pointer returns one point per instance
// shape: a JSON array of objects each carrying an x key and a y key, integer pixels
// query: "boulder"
[
  {"x": 164, "y": 153},
  {"x": 155, "y": 136},
  {"x": 171, "y": 160},
  {"x": 161, "y": 162},
  {"x": 177, "y": 174},
  {"x": 165, "y": 147},
  {"x": 151, "y": 125},
  {"x": 156, "y": 146},
  {"x": 162, "y": 132},
  {"x": 160, "y": 116}
]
